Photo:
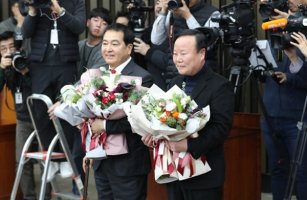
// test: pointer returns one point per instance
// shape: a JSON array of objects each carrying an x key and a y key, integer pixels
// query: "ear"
[
  {"x": 202, "y": 53},
  {"x": 130, "y": 47},
  {"x": 88, "y": 23}
]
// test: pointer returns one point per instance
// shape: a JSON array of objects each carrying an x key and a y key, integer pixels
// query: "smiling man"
[
  {"x": 206, "y": 88},
  {"x": 122, "y": 176}
]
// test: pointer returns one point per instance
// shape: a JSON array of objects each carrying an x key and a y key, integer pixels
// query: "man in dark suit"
[
  {"x": 206, "y": 88},
  {"x": 122, "y": 176}
]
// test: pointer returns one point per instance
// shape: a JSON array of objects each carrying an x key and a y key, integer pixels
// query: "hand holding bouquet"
[
  {"x": 173, "y": 117},
  {"x": 102, "y": 95}
]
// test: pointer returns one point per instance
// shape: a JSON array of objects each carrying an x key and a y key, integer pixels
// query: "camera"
[
  {"x": 137, "y": 10},
  {"x": 173, "y": 4},
  {"x": 296, "y": 23},
  {"x": 266, "y": 10},
  {"x": 38, "y": 3},
  {"x": 19, "y": 60},
  {"x": 237, "y": 22}
]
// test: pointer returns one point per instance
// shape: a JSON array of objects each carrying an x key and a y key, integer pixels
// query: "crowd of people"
[{"x": 171, "y": 51}]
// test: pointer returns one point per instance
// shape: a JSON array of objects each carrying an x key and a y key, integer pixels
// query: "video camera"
[
  {"x": 281, "y": 38},
  {"x": 38, "y": 3},
  {"x": 266, "y": 10},
  {"x": 237, "y": 25},
  {"x": 237, "y": 21},
  {"x": 137, "y": 10}
]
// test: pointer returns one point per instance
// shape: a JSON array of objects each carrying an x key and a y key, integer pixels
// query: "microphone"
[{"x": 274, "y": 24}]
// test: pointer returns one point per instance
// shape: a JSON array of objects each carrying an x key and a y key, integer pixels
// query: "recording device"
[
  {"x": 212, "y": 36},
  {"x": 18, "y": 60},
  {"x": 38, "y": 3},
  {"x": 266, "y": 10},
  {"x": 237, "y": 22},
  {"x": 281, "y": 38},
  {"x": 137, "y": 10},
  {"x": 173, "y": 4}
]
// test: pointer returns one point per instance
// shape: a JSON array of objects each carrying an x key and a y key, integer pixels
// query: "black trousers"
[
  {"x": 176, "y": 191},
  {"x": 113, "y": 187},
  {"x": 48, "y": 80}
]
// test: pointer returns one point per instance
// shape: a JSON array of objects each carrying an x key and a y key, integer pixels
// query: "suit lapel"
[{"x": 128, "y": 70}]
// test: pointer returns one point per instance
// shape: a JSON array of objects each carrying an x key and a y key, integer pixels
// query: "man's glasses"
[{"x": 4, "y": 50}]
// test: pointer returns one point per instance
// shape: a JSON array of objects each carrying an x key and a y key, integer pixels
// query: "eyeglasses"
[{"x": 9, "y": 49}]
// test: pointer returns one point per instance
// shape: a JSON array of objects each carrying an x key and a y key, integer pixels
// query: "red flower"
[
  {"x": 105, "y": 100},
  {"x": 112, "y": 96},
  {"x": 96, "y": 93}
]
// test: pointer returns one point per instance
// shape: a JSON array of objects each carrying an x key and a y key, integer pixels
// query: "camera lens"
[
  {"x": 19, "y": 62},
  {"x": 173, "y": 4}
]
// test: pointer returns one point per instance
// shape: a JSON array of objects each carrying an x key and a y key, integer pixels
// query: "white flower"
[
  {"x": 183, "y": 116},
  {"x": 184, "y": 101},
  {"x": 170, "y": 106},
  {"x": 103, "y": 69},
  {"x": 68, "y": 93}
]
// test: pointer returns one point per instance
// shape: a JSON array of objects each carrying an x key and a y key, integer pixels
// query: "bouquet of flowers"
[
  {"x": 173, "y": 117},
  {"x": 100, "y": 94}
]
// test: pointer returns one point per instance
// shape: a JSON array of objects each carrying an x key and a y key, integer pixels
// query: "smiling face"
[
  {"x": 114, "y": 50},
  {"x": 187, "y": 59}
]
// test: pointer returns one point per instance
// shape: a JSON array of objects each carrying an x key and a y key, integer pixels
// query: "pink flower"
[{"x": 89, "y": 74}]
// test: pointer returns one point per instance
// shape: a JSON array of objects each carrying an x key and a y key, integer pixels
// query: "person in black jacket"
[
  {"x": 19, "y": 83},
  {"x": 54, "y": 30},
  {"x": 170, "y": 22},
  {"x": 206, "y": 88}
]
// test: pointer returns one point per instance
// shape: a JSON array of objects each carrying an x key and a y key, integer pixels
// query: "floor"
[{"x": 66, "y": 186}]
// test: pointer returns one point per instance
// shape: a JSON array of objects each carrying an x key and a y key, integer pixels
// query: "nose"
[{"x": 107, "y": 47}]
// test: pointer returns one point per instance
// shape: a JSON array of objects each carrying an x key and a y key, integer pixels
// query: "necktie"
[{"x": 113, "y": 71}]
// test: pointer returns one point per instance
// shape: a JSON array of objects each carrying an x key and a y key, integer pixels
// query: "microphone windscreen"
[{"x": 282, "y": 22}]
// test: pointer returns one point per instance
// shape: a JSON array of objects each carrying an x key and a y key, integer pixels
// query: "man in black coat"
[
  {"x": 122, "y": 176},
  {"x": 54, "y": 29},
  {"x": 206, "y": 88}
]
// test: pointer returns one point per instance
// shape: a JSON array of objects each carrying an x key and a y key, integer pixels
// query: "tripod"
[{"x": 298, "y": 154}]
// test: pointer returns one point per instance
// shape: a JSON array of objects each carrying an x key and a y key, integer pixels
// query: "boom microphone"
[{"x": 282, "y": 22}]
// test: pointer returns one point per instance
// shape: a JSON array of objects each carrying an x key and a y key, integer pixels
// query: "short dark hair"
[
  {"x": 128, "y": 33},
  {"x": 122, "y": 14},
  {"x": 199, "y": 36},
  {"x": 6, "y": 35},
  {"x": 101, "y": 12}
]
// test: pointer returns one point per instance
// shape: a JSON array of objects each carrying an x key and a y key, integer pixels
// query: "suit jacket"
[
  {"x": 217, "y": 92},
  {"x": 137, "y": 161}
]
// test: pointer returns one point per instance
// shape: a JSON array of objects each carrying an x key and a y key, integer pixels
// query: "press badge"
[
  {"x": 54, "y": 39},
  {"x": 18, "y": 97}
]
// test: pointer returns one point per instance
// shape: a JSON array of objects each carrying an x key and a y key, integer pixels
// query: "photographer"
[
  {"x": 54, "y": 27},
  {"x": 171, "y": 21},
  {"x": 20, "y": 85},
  {"x": 284, "y": 97}
]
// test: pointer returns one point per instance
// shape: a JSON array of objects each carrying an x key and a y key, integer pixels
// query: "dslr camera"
[
  {"x": 266, "y": 10},
  {"x": 173, "y": 4},
  {"x": 18, "y": 60},
  {"x": 38, "y": 3}
]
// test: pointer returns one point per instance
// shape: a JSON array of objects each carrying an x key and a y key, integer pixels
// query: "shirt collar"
[{"x": 120, "y": 67}]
